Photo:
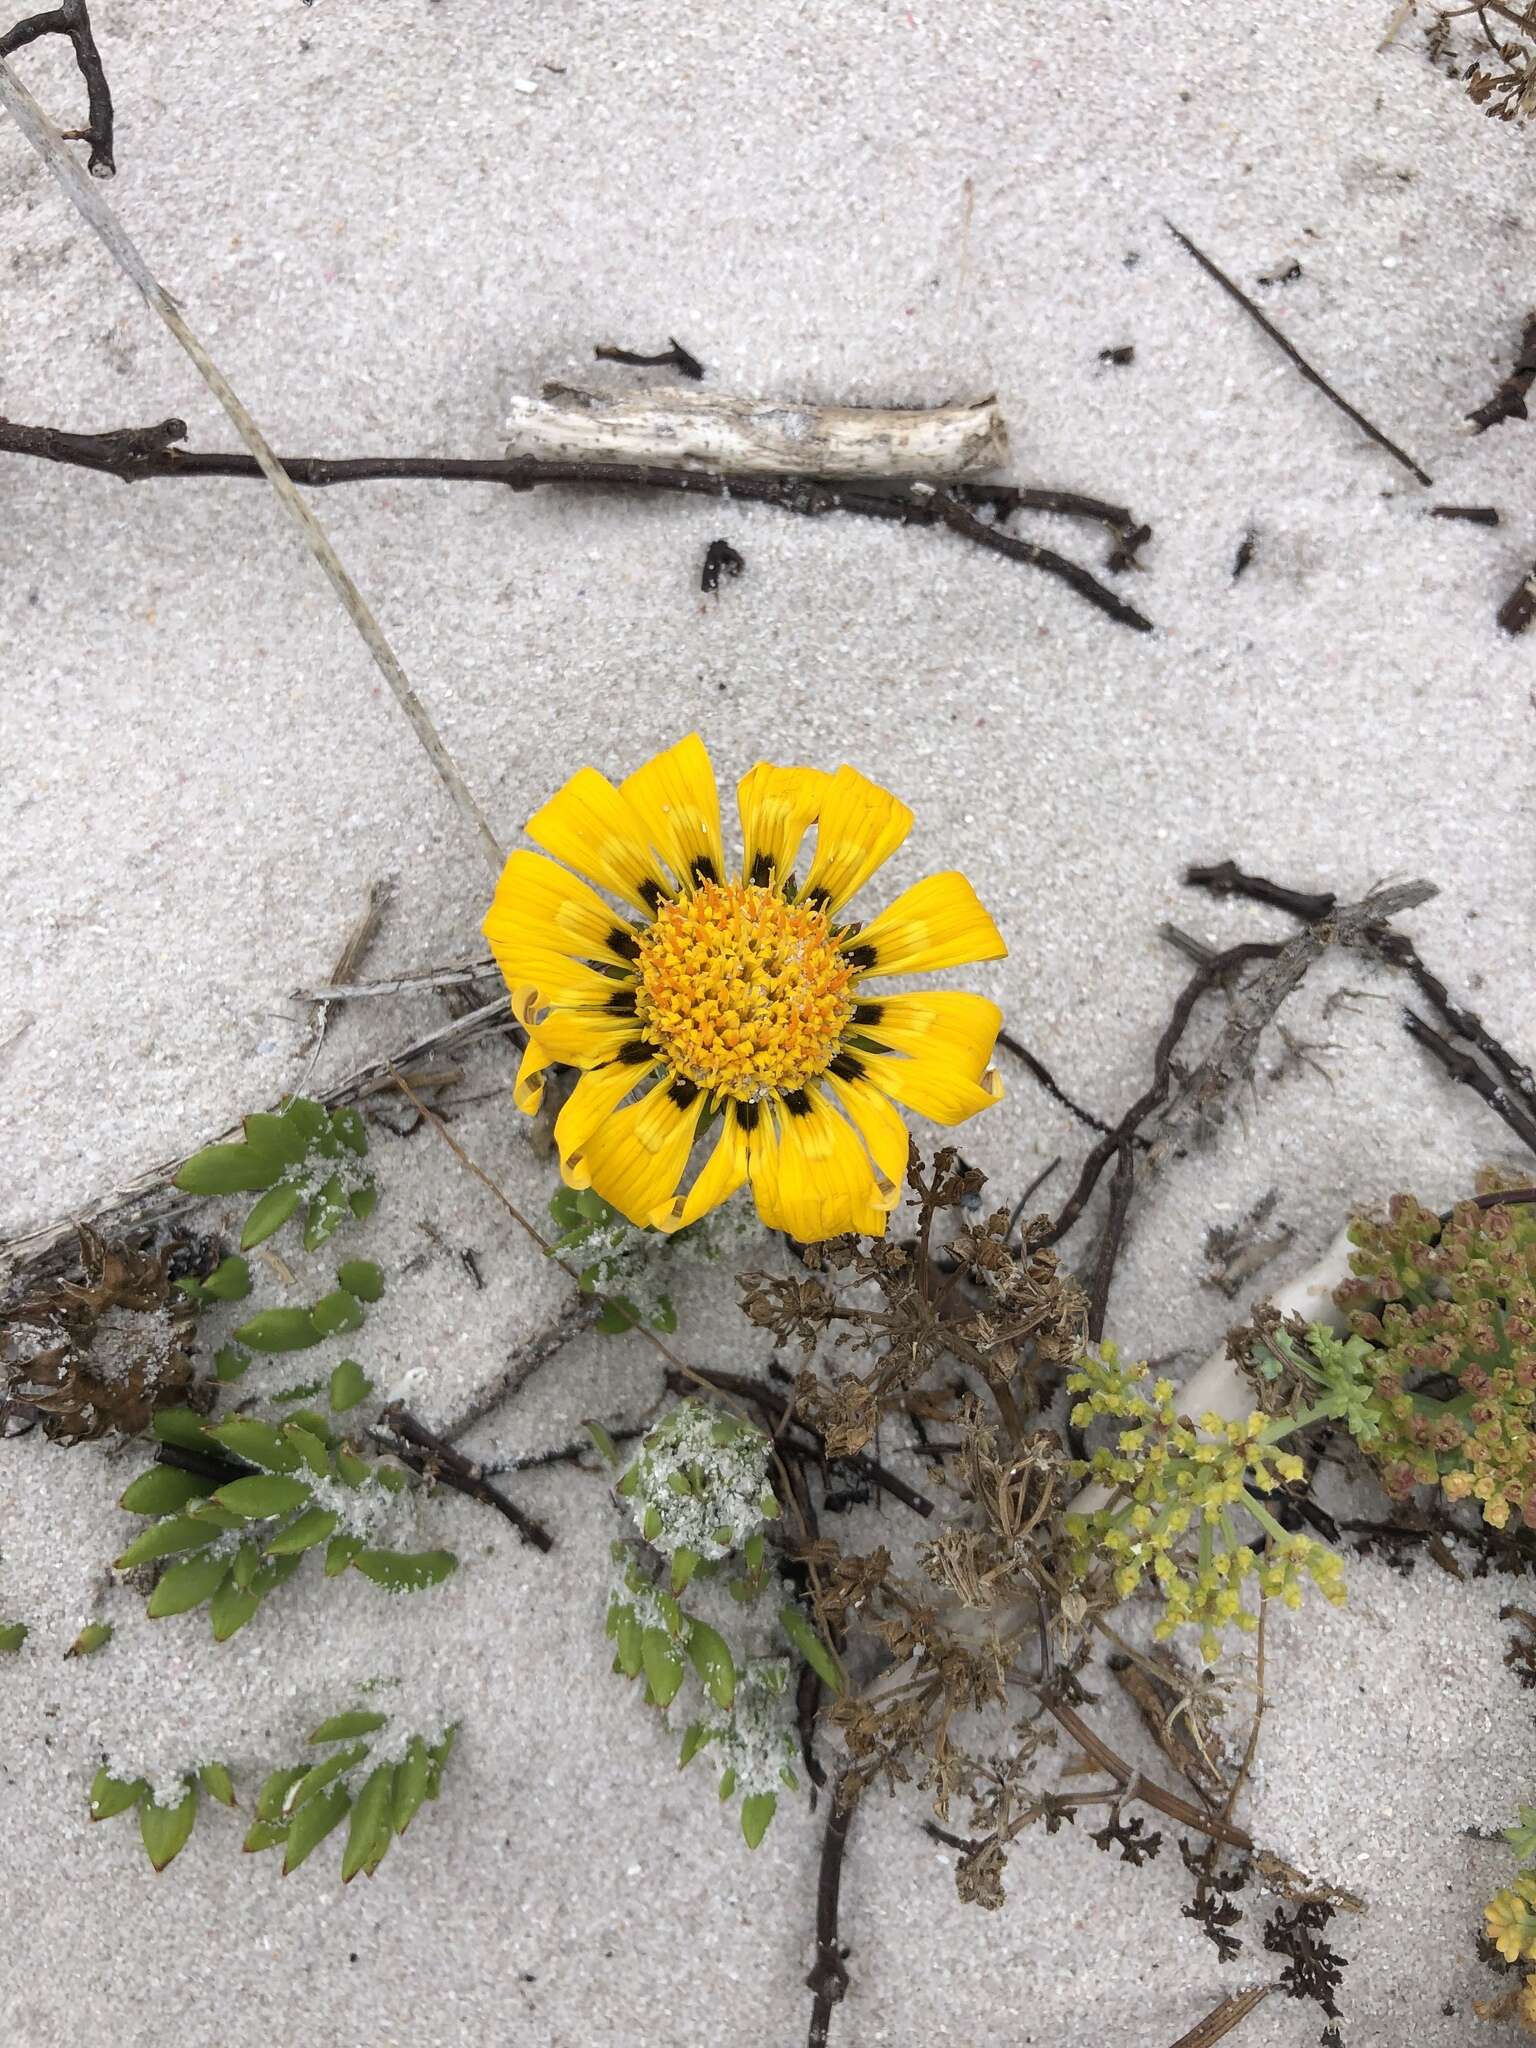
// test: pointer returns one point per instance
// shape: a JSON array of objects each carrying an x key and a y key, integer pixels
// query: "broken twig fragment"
[
  {"x": 673, "y": 357},
  {"x": 1508, "y": 402},
  {"x": 694, "y": 430},
  {"x": 720, "y": 558}
]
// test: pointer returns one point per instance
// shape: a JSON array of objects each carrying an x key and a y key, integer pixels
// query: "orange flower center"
[{"x": 741, "y": 991}]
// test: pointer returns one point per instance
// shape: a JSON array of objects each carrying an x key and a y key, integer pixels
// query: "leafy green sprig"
[
  {"x": 307, "y": 1155},
  {"x": 378, "y": 1793}
]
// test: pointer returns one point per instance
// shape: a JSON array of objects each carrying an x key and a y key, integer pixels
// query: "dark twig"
[
  {"x": 676, "y": 357},
  {"x": 72, "y": 20},
  {"x": 1145, "y": 1788},
  {"x": 1294, "y": 354},
  {"x": 1508, "y": 402},
  {"x": 1121, "y": 1188},
  {"x": 1210, "y": 974},
  {"x": 1226, "y": 878},
  {"x": 960, "y": 519},
  {"x": 134, "y": 454},
  {"x": 828, "y": 1979},
  {"x": 1019, "y": 1206},
  {"x": 1048, "y": 1082},
  {"x": 1247, "y": 548},
  {"x": 1474, "y": 515},
  {"x": 1463, "y": 1068},
  {"x": 429, "y": 1454},
  {"x": 1519, "y": 608}
]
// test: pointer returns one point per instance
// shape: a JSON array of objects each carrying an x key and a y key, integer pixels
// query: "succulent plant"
[
  {"x": 381, "y": 1786},
  {"x": 306, "y": 1155}
]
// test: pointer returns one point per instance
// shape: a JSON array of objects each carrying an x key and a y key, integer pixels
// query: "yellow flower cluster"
[{"x": 1173, "y": 1493}]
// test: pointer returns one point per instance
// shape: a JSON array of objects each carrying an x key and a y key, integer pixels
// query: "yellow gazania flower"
[{"x": 737, "y": 1006}]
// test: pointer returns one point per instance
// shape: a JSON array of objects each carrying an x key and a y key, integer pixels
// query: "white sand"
[{"x": 380, "y": 237}]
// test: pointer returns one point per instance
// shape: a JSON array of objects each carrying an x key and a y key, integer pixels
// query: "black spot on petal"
[
  {"x": 747, "y": 1114},
  {"x": 636, "y": 1053},
  {"x": 652, "y": 895},
  {"x": 861, "y": 957},
  {"x": 684, "y": 1092},
  {"x": 797, "y": 1102},
  {"x": 762, "y": 871},
  {"x": 621, "y": 1002},
  {"x": 847, "y": 1068},
  {"x": 623, "y": 943},
  {"x": 868, "y": 1013},
  {"x": 704, "y": 869},
  {"x": 816, "y": 899}
]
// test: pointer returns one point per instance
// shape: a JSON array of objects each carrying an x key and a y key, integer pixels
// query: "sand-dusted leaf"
[
  {"x": 12, "y": 1635},
  {"x": 694, "y": 1738},
  {"x": 439, "y": 1753},
  {"x": 165, "y": 1828},
  {"x": 352, "y": 1470},
  {"x": 685, "y": 1563},
  {"x": 349, "y": 1130},
  {"x": 349, "y": 1385},
  {"x": 163, "y": 1489},
  {"x": 264, "y": 1834},
  {"x": 274, "y": 1790},
  {"x": 209, "y": 1515},
  {"x": 326, "y": 1213},
  {"x": 405, "y": 1571},
  {"x": 710, "y": 1656},
  {"x": 230, "y": 1364},
  {"x": 230, "y": 1280},
  {"x": 263, "y": 1495},
  {"x": 339, "y": 1553},
  {"x": 311, "y": 1824},
  {"x": 336, "y": 1313},
  {"x": 662, "y": 1664},
  {"x": 348, "y": 1727},
  {"x": 111, "y": 1795},
  {"x": 279, "y": 1329},
  {"x": 268, "y": 1216},
  {"x": 362, "y": 1278},
  {"x": 312, "y": 1527},
  {"x": 217, "y": 1783},
  {"x": 165, "y": 1539},
  {"x": 187, "y": 1585},
  {"x": 371, "y": 1823},
  {"x": 411, "y": 1781},
  {"x": 318, "y": 1776},
  {"x": 94, "y": 1636},
  {"x": 312, "y": 1449},
  {"x": 363, "y": 1201},
  {"x": 756, "y": 1812}
]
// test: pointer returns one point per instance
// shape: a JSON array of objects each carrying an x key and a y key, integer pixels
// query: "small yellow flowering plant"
[
  {"x": 1173, "y": 1494},
  {"x": 728, "y": 1007}
]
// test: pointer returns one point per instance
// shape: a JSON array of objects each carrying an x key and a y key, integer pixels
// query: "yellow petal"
[
  {"x": 718, "y": 1179},
  {"x": 812, "y": 1178},
  {"x": 778, "y": 806},
  {"x": 635, "y": 1158},
  {"x": 947, "y": 1024},
  {"x": 579, "y": 1038},
  {"x": 938, "y": 922},
  {"x": 934, "y": 1086},
  {"x": 528, "y": 1088},
  {"x": 597, "y": 831},
  {"x": 860, "y": 826},
  {"x": 878, "y": 1122},
  {"x": 541, "y": 909},
  {"x": 592, "y": 1101},
  {"x": 675, "y": 795}
]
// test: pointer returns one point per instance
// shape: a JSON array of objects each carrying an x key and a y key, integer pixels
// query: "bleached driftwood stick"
[{"x": 694, "y": 430}]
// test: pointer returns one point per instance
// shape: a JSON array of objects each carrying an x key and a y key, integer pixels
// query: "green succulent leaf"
[
  {"x": 349, "y": 1385},
  {"x": 318, "y": 1776},
  {"x": 401, "y": 1571},
  {"x": 264, "y": 1834},
  {"x": 662, "y": 1665},
  {"x": 710, "y": 1656},
  {"x": 225, "y": 1170},
  {"x": 372, "y": 1821},
  {"x": 348, "y": 1727},
  {"x": 94, "y": 1636},
  {"x": 312, "y": 1527},
  {"x": 349, "y": 1130},
  {"x": 807, "y": 1644},
  {"x": 362, "y": 1278},
  {"x": 274, "y": 1790},
  {"x": 326, "y": 1213},
  {"x": 230, "y": 1364},
  {"x": 268, "y": 1216},
  {"x": 257, "y": 1443},
  {"x": 340, "y": 1552},
  {"x": 187, "y": 1585},
  {"x": 165, "y": 1828},
  {"x": 411, "y": 1781},
  {"x": 217, "y": 1783},
  {"x": 12, "y": 1635},
  {"x": 363, "y": 1201},
  {"x": 337, "y": 1313},
  {"x": 311, "y": 1824},
  {"x": 111, "y": 1795},
  {"x": 231, "y": 1608},
  {"x": 756, "y": 1812},
  {"x": 694, "y": 1740},
  {"x": 279, "y": 1329},
  {"x": 181, "y": 1428},
  {"x": 163, "y": 1489},
  {"x": 165, "y": 1539},
  {"x": 230, "y": 1280},
  {"x": 263, "y": 1495},
  {"x": 1522, "y": 1836}
]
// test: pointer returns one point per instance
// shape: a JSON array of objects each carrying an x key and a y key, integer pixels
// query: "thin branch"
[
  {"x": 1146, "y": 1789},
  {"x": 98, "y": 216},
  {"x": 1034, "y": 1188},
  {"x": 828, "y": 1979},
  {"x": 673, "y": 357},
  {"x": 1048, "y": 1082},
  {"x": 72, "y": 20},
  {"x": 1294, "y": 354},
  {"x": 1519, "y": 608},
  {"x": 416, "y": 1445},
  {"x": 1219, "y": 2023},
  {"x": 1463, "y": 1068},
  {"x": 134, "y": 454},
  {"x": 1121, "y": 1188}
]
